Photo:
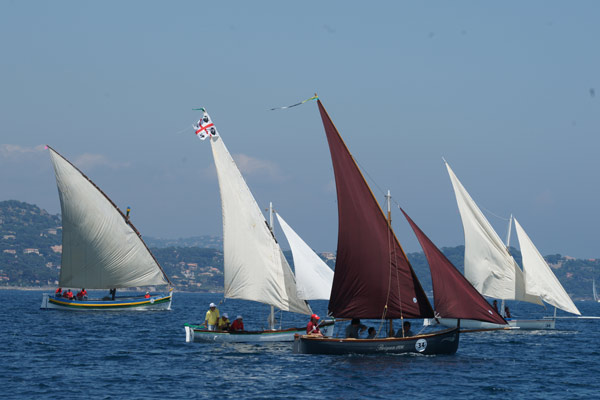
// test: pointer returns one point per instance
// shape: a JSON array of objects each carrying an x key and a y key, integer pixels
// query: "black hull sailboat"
[
  {"x": 373, "y": 278},
  {"x": 442, "y": 342}
]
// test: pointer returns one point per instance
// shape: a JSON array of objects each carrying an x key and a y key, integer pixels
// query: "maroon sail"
[
  {"x": 454, "y": 296},
  {"x": 373, "y": 278}
]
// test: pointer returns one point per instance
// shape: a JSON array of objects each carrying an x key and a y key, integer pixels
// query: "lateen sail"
[
  {"x": 313, "y": 277},
  {"x": 255, "y": 267},
  {"x": 101, "y": 249},
  {"x": 539, "y": 278},
  {"x": 373, "y": 278},
  {"x": 454, "y": 296},
  {"x": 488, "y": 265}
]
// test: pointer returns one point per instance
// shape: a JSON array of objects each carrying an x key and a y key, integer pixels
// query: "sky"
[{"x": 507, "y": 92}]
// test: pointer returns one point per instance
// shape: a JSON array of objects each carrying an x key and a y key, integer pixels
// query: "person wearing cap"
[
  {"x": 147, "y": 295},
  {"x": 312, "y": 328},
  {"x": 224, "y": 322},
  {"x": 212, "y": 317},
  {"x": 237, "y": 325}
]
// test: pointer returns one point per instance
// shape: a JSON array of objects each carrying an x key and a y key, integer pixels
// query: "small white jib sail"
[
  {"x": 313, "y": 277},
  {"x": 596, "y": 297},
  {"x": 488, "y": 265},
  {"x": 101, "y": 249},
  {"x": 254, "y": 266},
  {"x": 539, "y": 278}
]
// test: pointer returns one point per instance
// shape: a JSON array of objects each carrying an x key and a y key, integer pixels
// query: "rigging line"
[
  {"x": 187, "y": 128},
  {"x": 497, "y": 216},
  {"x": 398, "y": 284},
  {"x": 387, "y": 298},
  {"x": 369, "y": 176}
]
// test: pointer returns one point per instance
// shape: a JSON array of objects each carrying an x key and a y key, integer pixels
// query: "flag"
[{"x": 204, "y": 127}]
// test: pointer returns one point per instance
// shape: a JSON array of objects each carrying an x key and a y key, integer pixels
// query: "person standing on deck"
[{"x": 212, "y": 317}]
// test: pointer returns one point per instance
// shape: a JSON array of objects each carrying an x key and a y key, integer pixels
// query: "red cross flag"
[{"x": 204, "y": 127}]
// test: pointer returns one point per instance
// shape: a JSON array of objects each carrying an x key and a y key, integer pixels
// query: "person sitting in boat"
[
  {"x": 68, "y": 294},
  {"x": 237, "y": 325},
  {"x": 113, "y": 293},
  {"x": 147, "y": 295},
  {"x": 224, "y": 322},
  {"x": 495, "y": 304},
  {"x": 58, "y": 292},
  {"x": 405, "y": 330},
  {"x": 212, "y": 317},
  {"x": 355, "y": 328},
  {"x": 82, "y": 294},
  {"x": 371, "y": 333},
  {"x": 507, "y": 313},
  {"x": 312, "y": 328}
]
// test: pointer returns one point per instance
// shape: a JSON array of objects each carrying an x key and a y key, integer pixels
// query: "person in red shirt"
[
  {"x": 68, "y": 294},
  {"x": 82, "y": 294},
  {"x": 58, "y": 292},
  {"x": 312, "y": 328},
  {"x": 147, "y": 295},
  {"x": 237, "y": 325}
]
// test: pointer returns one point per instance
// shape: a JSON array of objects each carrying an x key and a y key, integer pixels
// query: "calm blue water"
[{"x": 143, "y": 355}]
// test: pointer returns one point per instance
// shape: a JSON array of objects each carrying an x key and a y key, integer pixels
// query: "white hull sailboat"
[
  {"x": 101, "y": 249},
  {"x": 255, "y": 268},
  {"x": 494, "y": 272}
]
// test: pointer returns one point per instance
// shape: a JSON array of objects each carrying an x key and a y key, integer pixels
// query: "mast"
[
  {"x": 388, "y": 198},
  {"x": 272, "y": 314},
  {"x": 508, "y": 250}
]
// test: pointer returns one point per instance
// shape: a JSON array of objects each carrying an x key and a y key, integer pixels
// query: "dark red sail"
[
  {"x": 453, "y": 295},
  {"x": 371, "y": 269}
]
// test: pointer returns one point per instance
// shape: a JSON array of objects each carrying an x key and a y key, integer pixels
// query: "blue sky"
[{"x": 505, "y": 91}]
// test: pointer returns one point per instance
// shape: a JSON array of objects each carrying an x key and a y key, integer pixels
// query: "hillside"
[{"x": 30, "y": 244}]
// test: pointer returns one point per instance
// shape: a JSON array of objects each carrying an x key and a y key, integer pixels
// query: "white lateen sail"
[
  {"x": 313, "y": 277},
  {"x": 488, "y": 265},
  {"x": 539, "y": 278},
  {"x": 101, "y": 249},
  {"x": 254, "y": 265}
]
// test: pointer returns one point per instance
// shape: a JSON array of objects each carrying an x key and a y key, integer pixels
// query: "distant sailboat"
[
  {"x": 373, "y": 278},
  {"x": 255, "y": 268},
  {"x": 101, "y": 249},
  {"x": 493, "y": 271},
  {"x": 596, "y": 295}
]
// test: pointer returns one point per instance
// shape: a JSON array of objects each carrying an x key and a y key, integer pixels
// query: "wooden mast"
[{"x": 388, "y": 198}]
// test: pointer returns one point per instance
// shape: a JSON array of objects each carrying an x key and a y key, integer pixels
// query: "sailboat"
[
  {"x": 255, "y": 268},
  {"x": 373, "y": 278},
  {"x": 494, "y": 272},
  {"x": 596, "y": 296},
  {"x": 101, "y": 249}
]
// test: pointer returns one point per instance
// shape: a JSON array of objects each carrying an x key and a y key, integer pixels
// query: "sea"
[{"x": 51, "y": 354}]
